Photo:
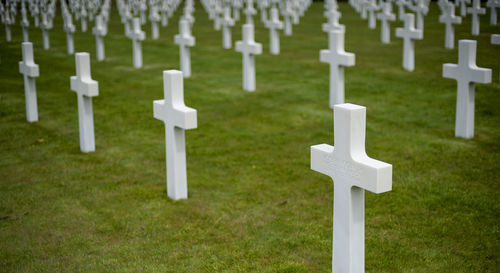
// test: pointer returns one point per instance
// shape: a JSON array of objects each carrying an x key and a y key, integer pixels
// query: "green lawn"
[{"x": 254, "y": 204}]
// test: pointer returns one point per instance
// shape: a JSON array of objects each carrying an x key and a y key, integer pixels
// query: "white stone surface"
[
  {"x": 274, "y": 25},
  {"x": 177, "y": 118},
  {"x": 372, "y": 7},
  {"x": 45, "y": 26},
  {"x": 227, "y": 22},
  {"x": 137, "y": 35},
  {"x": 30, "y": 71},
  {"x": 99, "y": 32},
  {"x": 69, "y": 28},
  {"x": 449, "y": 19},
  {"x": 85, "y": 89},
  {"x": 466, "y": 73},
  {"x": 401, "y": 9},
  {"x": 248, "y": 48},
  {"x": 475, "y": 11},
  {"x": 338, "y": 59},
  {"x": 463, "y": 6},
  {"x": 493, "y": 5},
  {"x": 249, "y": 12},
  {"x": 333, "y": 21},
  {"x": 409, "y": 34},
  {"x": 185, "y": 40},
  {"x": 421, "y": 10},
  {"x": 352, "y": 172},
  {"x": 386, "y": 16},
  {"x": 287, "y": 18},
  {"x": 155, "y": 19},
  {"x": 24, "y": 22}
]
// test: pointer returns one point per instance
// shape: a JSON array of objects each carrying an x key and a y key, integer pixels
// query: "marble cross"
[
  {"x": 352, "y": 172},
  {"x": 463, "y": 6},
  {"x": 227, "y": 22},
  {"x": 274, "y": 25},
  {"x": 83, "y": 18},
  {"x": 177, "y": 118},
  {"x": 337, "y": 58},
  {"x": 69, "y": 28},
  {"x": 248, "y": 48},
  {"x": 249, "y": 11},
  {"x": 409, "y": 34},
  {"x": 30, "y": 71},
  {"x": 466, "y": 73},
  {"x": 493, "y": 5},
  {"x": 45, "y": 26},
  {"x": 24, "y": 22},
  {"x": 333, "y": 21},
  {"x": 155, "y": 19},
  {"x": 401, "y": 9},
  {"x": 85, "y": 89},
  {"x": 385, "y": 17},
  {"x": 421, "y": 9},
  {"x": 449, "y": 19},
  {"x": 372, "y": 7},
  {"x": 287, "y": 13},
  {"x": 185, "y": 40},
  {"x": 137, "y": 35},
  {"x": 99, "y": 32},
  {"x": 475, "y": 11}
]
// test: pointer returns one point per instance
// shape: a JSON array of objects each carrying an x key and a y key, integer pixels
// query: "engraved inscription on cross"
[
  {"x": 352, "y": 172},
  {"x": 177, "y": 118},
  {"x": 337, "y": 58},
  {"x": 85, "y": 89},
  {"x": 466, "y": 73}
]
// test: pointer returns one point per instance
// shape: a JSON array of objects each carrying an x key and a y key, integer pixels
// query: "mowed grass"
[{"x": 254, "y": 204}]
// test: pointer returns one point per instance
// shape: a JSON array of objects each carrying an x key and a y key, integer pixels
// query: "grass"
[{"x": 254, "y": 204}]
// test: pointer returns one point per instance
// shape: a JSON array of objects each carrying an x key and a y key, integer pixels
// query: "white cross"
[
  {"x": 333, "y": 21},
  {"x": 385, "y": 17},
  {"x": 352, "y": 172},
  {"x": 463, "y": 6},
  {"x": 466, "y": 73},
  {"x": 274, "y": 25},
  {"x": 421, "y": 9},
  {"x": 248, "y": 48},
  {"x": 401, "y": 9},
  {"x": 137, "y": 35},
  {"x": 177, "y": 118},
  {"x": 409, "y": 34},
  {"x": 337, "y": 58},
  {"x": 475, "y": 11},
  {"x": 83, "y": 18},
  {"x": 371, "y": 6},
  {"x": 449, "y": 19},
  {"x": 30, "y": 71},
  {"x": 227, "y": 22},
  {"x": 495, "y": 39},
  {"x": 155, "y": 19},
  {"x": 69, "y": 28},
  {"x": 24, "y": 22},
  {"x": 493, "y": 5},
  {"x": 99, "y": 32},
  {"x": 185, "y": 40},
  {"x": 287, "y": 13},
  {"x": 85, "y": 89},
  {"x": 45, "y": 26},
  {"x": 249, "y": 12}
]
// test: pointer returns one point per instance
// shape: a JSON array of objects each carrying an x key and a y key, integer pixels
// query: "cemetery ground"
[{"x": 254, "y": 204}]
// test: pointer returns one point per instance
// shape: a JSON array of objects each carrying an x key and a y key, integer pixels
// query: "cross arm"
[
  {"x": 450, "y": 71},
  {"x": 481, "y": 75},
  {"x": 30, "y": 70},
  {"x": 86, "y": 87},
  {"x": 184, "y": 117}
]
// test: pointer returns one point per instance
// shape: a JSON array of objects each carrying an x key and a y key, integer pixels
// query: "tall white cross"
[
  {"x": 137, "y": 35},
  {"x": 25, "y": 23},
  {"x": 69, "y": 28},
  {"x": 337, "y": 58},
  {"x": 248, "y": 48},
  {"x": 401, "y": 9},
  {"x": 85, "y": 89},
  {"x": 177, "y": 118},
  {"x": 30, "y": 71},
  {"x": 493, "y": 5},
  {"x": 352, "y": 172},
  {"x": 274, "y": 25},
  {"x": 463, "y": 6},
  {"x": 466, "y": 73},
  {"x": 495, "y": 39},
  {"x": 249, "y": 11},
  {"x": 227, "y": 22},
  {"x": 385, "y": 17},
  {"x": 155, "y": 19},
  {"x": 333, "y": 21},
  {"x": 421, "y": 9},
  {"x": 45, "y": 26},
  {"x": 409, "y": 34},
  {"x": 185, "y": 40},
  {"x": 99, "y": 32},
  {"x": 449, "y": 19},
  {"x": 475, "y": 11},
  {"x": 371, "y": 6},
  {"x": 287, "y": 13}
]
